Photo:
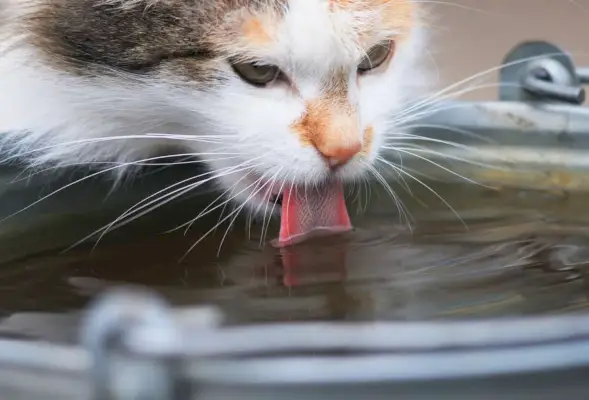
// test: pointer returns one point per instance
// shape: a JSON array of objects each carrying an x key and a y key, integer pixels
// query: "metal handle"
[
  {"x": 540, "y": 83},
  {"x": 538, "y": 71},
  {"x": 583, "y": 74},
  {"x": 113, "y": 317}
]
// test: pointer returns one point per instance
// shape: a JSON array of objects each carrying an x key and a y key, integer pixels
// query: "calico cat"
[{"x": 274, "y": 96}]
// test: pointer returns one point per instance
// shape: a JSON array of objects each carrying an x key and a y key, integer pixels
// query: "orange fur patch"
[
  {"x": 368, "y": 139},
  {"x": 332, "y": 129},
  {"x": 333, "y": 4},
  {"x": 255, "y": 32},
  {"x": 397, "y": 14},
  {"x": 330, "y": 123},
  {"x": 392, "y": 15}
]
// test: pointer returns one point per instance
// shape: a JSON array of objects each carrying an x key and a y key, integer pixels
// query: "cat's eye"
[
  {"x": 376, "y": 56},
  {"x": 256, "y": 74}
]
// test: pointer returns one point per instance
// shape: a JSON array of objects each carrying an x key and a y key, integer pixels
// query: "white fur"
[{"x": 41, "y": 107}]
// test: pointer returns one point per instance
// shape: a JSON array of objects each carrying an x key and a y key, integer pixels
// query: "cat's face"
[{"x": 292, "y": 90}]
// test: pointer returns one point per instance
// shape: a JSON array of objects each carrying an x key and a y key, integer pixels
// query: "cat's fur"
[{"x": 76, "y": 70}]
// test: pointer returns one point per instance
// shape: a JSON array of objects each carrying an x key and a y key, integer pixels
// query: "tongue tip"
[{"x": 312, "y": 214}]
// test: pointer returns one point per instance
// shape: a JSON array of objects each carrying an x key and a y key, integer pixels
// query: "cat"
[{"x": 267, "y": 93}]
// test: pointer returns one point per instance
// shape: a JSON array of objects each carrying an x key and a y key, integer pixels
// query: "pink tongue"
[{"x": 312, "y": 212}]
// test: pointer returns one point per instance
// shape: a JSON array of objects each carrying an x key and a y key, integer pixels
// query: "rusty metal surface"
[{"x": 505, "y": 144}]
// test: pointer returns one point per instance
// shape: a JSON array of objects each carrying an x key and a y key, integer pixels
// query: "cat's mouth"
[
  {"x": 276, "y": 199},
  {"x": 269, "y": 197}
]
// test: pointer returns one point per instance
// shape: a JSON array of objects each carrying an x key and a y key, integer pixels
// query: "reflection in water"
[{"x": 509, "y": 253}]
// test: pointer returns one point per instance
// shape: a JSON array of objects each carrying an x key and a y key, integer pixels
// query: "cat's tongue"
[{"x": 312, "y": 211}]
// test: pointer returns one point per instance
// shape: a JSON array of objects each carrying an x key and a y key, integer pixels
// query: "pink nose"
[{"x": 341, "y": 154}]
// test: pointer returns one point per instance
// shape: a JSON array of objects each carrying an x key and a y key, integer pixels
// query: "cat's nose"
[{"x": 340, "y": 154}]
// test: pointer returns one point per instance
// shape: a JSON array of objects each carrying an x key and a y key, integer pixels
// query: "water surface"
[{"x": 497, "y": 252}]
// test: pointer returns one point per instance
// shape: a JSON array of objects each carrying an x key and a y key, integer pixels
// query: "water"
[{"x": 510, "y": 253}]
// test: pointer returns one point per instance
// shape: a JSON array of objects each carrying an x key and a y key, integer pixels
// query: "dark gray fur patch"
[{"x": 84, "y": 35}]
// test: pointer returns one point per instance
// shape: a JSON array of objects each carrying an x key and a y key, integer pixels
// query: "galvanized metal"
[
  {"x": 540, "y": 146},
  {"x": 538, "y": 71},
  {"x": 157, "y": 356}
]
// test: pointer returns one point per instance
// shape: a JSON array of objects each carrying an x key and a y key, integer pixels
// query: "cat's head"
[{"x": 272, "y": 91}]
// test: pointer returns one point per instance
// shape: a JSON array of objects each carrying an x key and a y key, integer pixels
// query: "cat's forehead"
[
  {"x": 141, "y": 35},
  {"x": 321, "y": 30}
]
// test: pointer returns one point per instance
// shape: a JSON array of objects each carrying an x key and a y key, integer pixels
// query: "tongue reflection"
[{"x": 311, "y": 212}]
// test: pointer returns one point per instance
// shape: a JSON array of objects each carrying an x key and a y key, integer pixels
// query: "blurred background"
[{"x": 474, "y": 35}]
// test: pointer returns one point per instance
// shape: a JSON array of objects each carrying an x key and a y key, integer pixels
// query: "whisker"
[
  {"x": 139, "y": 163},
  {"x": 461, "y": 6},
  {"x": 62, "y": 189},
  {"x": 236, "y": 211},
  {"x": 406, "y": 149},
  {"x": 273, "y": 182},
  {"x": 217, "y": 175},
  {"x": 288, "y": 199},
  {"x": 416, "y": 137},
  {"x": 424, "y": 108},
  {"x": 439, "y": 166},
  {"x": 403, "y": 181},
  {"x": 159, "y": 201},
  {"x": 437, "y": 195},
  {"x": 401, "y": 166},
  {"x": 227, "y": 201},
  {"x": 205, "y": 210},
  {"x": 403, "y": 211},
  {"x": 166, "y": 198},
  {"x": 481, "y": 74},
  {"x": 153, "y": 136},
  {"x": 255, "y": 192},
  {"x": 368, "y": 191},
  {"x": 356, "y": 193},
  {"x": 266, "y": 216}
]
